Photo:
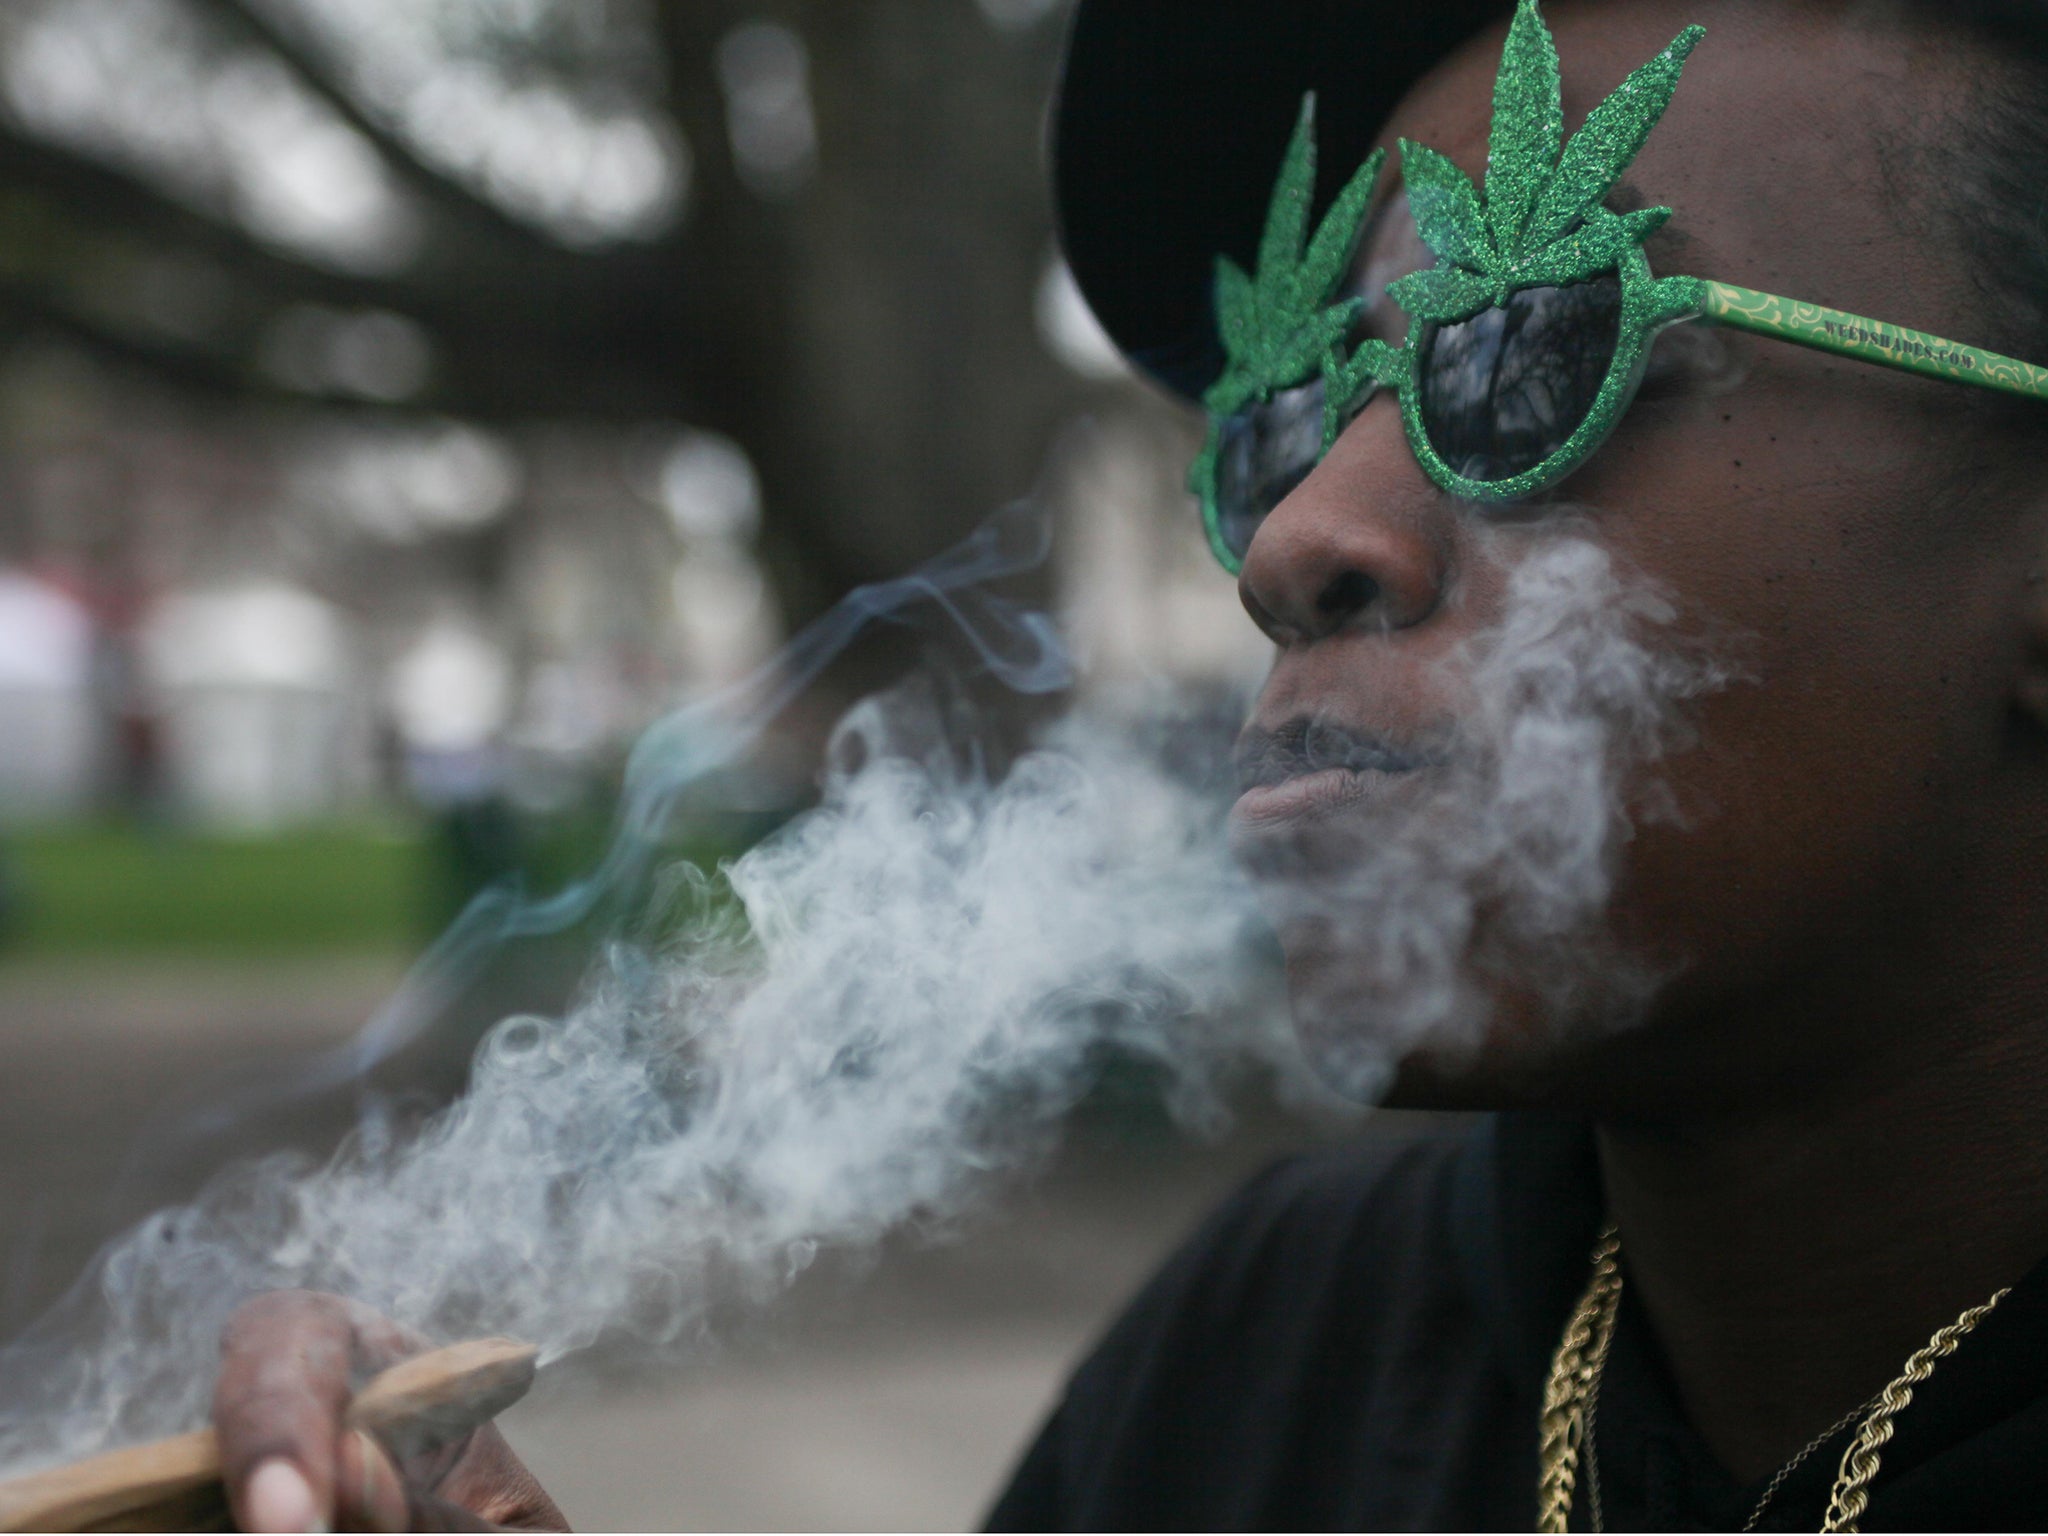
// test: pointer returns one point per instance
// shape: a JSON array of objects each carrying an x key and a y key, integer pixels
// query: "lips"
[{"x": 1309, "y": 768}]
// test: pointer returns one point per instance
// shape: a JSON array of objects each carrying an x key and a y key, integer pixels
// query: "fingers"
[
  {"x": 290, "y": 1362},
  {"x": 491, "y": 1480},
  {"x": 286, "y": 1374},
  {"x": 369, "y": 1494}
]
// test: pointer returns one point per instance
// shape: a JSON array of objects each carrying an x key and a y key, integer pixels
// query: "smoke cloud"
[
  {"x": 1494, "y": 881},
  {"x": 888, "y": 1006}
]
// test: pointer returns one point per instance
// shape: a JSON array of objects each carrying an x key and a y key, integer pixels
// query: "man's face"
[{"x": 1814, "y": 520}]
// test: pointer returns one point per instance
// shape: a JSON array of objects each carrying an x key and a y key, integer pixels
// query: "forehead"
[{"x": 1779, "y": 153}]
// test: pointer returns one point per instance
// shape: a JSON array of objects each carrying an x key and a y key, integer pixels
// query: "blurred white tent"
[
  {"x": 52, "y": 739},
  {"x": 450, "y": 696},
  {"x": 254, "y": 682}
]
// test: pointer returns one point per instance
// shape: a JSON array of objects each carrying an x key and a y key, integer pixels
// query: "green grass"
[
  {"x": 116, "y": 888},
  {"x": 85, "y": 889},
  {"x": 77, "y": 890}
]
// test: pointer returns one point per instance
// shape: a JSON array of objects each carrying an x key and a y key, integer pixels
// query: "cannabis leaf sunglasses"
[{"x": 1526, "y": 342}]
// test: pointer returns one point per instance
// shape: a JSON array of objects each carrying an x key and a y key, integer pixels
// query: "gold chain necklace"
[{"x": 1573, "y": 1390}]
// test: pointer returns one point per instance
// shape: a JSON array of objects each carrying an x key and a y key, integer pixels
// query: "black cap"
[{"x": 1172, "y": 119}]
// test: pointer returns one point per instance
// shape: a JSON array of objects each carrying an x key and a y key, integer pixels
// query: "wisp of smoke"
[
  {"x": 682, "y": 750},
  {"x": 871, "y": 1017}
]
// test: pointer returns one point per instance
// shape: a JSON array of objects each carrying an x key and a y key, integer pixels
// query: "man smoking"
[{"x": 1751, "y": 1230}]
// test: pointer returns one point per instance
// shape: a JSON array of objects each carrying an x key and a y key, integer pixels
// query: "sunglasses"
[{"x": 1527, "y": 341}]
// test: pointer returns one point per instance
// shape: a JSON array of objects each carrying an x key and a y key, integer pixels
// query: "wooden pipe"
[{"x": 417, "y": 1406}]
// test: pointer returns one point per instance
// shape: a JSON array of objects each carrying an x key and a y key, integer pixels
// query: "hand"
[{"x": 290, "y": 1361}]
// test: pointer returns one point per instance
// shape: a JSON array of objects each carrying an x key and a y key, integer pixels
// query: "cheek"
[{"x": 1867, "y": 645}]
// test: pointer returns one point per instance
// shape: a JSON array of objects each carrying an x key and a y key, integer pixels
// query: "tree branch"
[
  {"x": 505, "y": 307},
  {"x": 629, "y": 374},
  {"x": 81, "y": 185},
  {"x": 436, "y": 186},
  {"x": 188, "y": 368},
  {"x": 519, "y": 330}
]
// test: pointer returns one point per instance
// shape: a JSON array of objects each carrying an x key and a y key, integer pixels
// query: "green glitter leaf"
[
  {"x": 1446, "y": 207},
  {"x": 1346, "y": 380},
  {"x": 1309, "y": 347},
  {"x": 1528, "y": 127},
  {"x": 1236, "y": 307},
  {"x": 1601, "y": 150},
  {"x": 1287, "y": 214},
  {"x": 1280, "y": 325},
  {"x": 1596, "y": 246},
  {"x": 1542, "y": 220},
  {"x": 1335, "y": 245},
  {"x": 1442, "y": 293}
]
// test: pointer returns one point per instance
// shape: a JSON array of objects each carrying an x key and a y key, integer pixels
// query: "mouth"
[{"x": 1311, "y": 768}]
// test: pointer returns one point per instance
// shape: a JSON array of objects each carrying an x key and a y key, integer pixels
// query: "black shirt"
[{"x": 1359, "y": 1340}]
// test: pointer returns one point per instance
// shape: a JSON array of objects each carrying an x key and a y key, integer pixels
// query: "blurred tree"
[{"x": 816, "y": 226}]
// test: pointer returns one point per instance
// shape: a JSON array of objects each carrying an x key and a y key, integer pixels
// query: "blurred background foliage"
[{"x": 404, "y": 401}]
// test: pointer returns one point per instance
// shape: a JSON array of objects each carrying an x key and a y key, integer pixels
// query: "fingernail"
[{"x": 280, "y": 1499}]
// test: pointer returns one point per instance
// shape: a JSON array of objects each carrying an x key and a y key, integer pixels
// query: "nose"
[{"x": 1360, "y": 543}]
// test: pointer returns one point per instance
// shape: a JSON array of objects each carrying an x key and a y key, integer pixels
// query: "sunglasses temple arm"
[{"x": 1868, "y": 341}]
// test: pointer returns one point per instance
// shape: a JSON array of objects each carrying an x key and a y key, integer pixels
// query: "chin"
[
  {"x": 1475, "y": 1083},
  {"x": 1462, "y": 1044}
]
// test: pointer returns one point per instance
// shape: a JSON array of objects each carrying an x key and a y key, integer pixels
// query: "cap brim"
[{"x": 1171, "y": 122}]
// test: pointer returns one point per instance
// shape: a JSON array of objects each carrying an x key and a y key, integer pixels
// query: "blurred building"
[{"x": 53, "y": 737}]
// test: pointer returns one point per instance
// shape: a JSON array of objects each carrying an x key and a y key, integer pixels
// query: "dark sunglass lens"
[
  {"x": 1503, "y": 391},
  {"x": 1265, "y": 451}
]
